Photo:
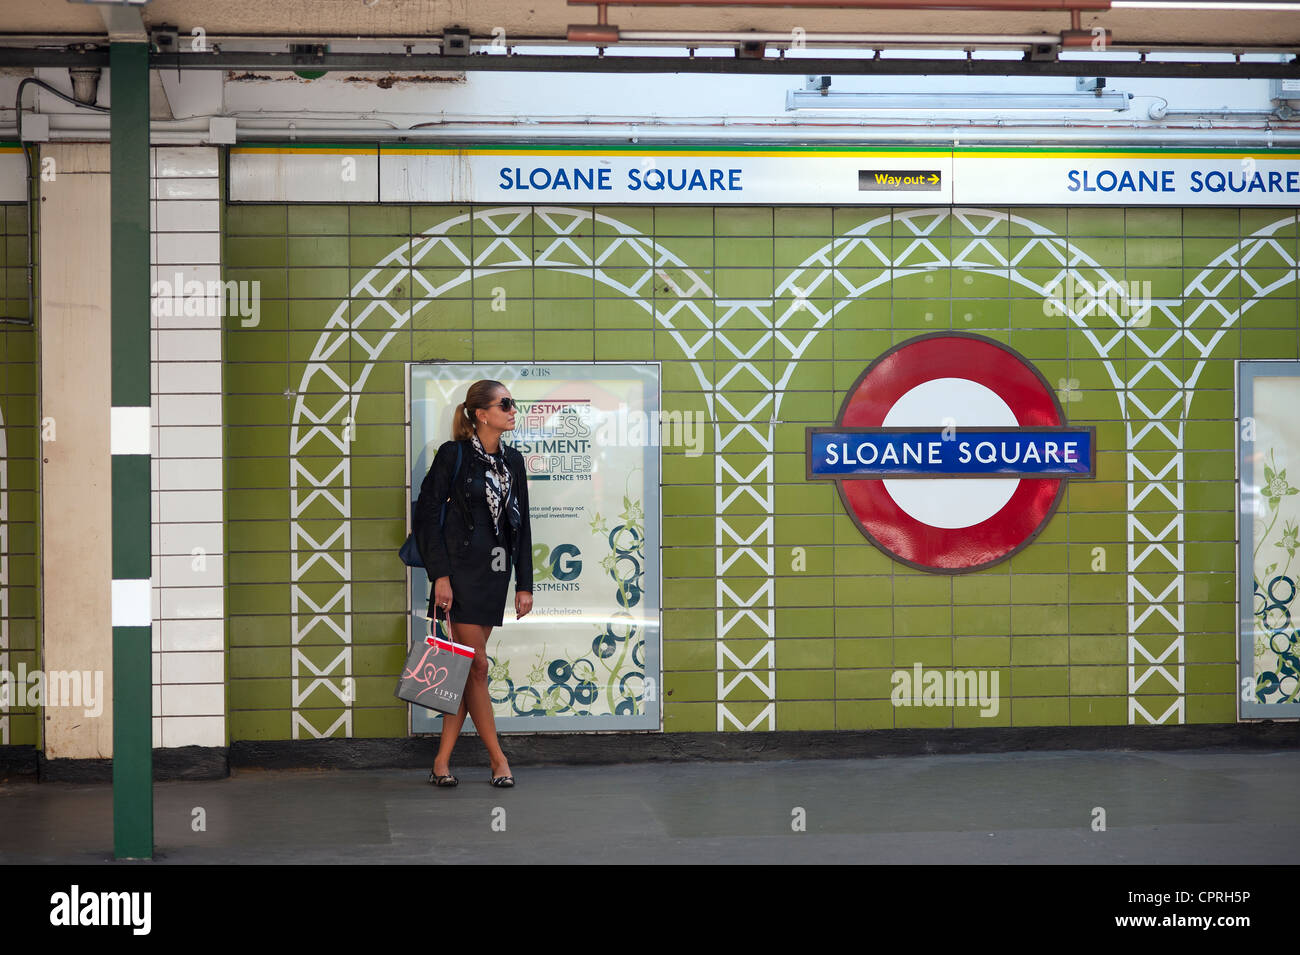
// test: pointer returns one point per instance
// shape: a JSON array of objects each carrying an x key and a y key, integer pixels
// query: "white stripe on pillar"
[
  {"x": 129, "y": 430},
  {"x": 132, "y": 602}
]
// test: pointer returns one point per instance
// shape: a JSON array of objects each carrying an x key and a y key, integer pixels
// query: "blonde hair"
[{"x": 481, "y": 394}]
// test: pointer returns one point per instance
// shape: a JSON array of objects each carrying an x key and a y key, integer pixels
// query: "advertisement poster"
[
  {"x": 1270, "y": 516},
  {"x": 587, "y": 657}
]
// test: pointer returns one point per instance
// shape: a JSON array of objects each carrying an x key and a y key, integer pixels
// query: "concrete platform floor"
[{"x": 1188, "y": 807}]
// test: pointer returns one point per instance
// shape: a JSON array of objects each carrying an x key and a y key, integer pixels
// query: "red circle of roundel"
[{"x": 1027, "y": 394}]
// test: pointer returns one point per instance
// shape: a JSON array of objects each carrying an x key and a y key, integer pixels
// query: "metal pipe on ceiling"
[
  {"x": 844, "y": 66},
  {"x": 43, "y": 42},
  {"x": 1141, "y": 65},
  {"x": 861, "y": 134},
  {"x": 606, "y": 36},
  {"x": 976, "y": 6},
  {"x": 970, "y": 6}
]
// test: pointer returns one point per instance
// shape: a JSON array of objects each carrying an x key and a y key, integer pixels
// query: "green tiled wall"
[
  {"x": 18, "y": 406},
  {"x": 1052, "y": 622}
]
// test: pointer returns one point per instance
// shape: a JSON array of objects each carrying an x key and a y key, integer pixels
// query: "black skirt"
[{"x": 480, "y": 562}]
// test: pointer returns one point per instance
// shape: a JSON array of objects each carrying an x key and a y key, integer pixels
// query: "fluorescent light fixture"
[
  {"x": 112, "y": 3},
  {"x": 1103, "y": 102}
]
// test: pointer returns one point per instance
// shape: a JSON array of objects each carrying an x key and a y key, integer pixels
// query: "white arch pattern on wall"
[{"x": 743, "y": 543}]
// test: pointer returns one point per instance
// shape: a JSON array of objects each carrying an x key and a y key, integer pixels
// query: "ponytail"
[
  {"x": 479, "y": 395},
  {"x": 462, "y": 427}
]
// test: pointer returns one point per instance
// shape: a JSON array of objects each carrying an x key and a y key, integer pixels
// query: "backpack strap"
[{"x": 442, "y": 517}]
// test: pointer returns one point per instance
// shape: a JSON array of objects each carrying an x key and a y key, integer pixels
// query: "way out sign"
[{"x": 950, "y": 452}]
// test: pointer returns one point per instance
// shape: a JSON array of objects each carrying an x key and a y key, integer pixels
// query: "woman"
[{"x": 468, "y": 558}]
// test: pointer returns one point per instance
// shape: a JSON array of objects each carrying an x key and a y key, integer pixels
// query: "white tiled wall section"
[{"x": 188, "y": 575}]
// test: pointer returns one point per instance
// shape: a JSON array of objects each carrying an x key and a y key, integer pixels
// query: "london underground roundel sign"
[{"x": 950, "y": 452}]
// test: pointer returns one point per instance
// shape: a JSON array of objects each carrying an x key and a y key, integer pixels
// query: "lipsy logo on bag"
[{"x": 427, "y": 672}]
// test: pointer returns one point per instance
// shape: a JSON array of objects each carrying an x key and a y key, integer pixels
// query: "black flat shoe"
[
  {"x": 503, "y": 782},
  {"x": 445, "y": 781}
]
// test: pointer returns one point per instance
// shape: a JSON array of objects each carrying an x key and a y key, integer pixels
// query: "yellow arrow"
[{"x": 934, "y": 179}]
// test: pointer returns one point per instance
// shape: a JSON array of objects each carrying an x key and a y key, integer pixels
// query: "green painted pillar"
[{"x": 129, "y": 439}]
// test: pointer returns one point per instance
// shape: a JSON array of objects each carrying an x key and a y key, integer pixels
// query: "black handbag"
[{"x": 410, "y": 551}]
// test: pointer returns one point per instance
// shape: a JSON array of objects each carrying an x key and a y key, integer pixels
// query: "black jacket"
[{"x": 437, "y": 544}]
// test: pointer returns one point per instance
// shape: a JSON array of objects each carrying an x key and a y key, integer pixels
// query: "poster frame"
[
  {"x": 1248, "y": 372},
  {"x": 421, "y": 722}
]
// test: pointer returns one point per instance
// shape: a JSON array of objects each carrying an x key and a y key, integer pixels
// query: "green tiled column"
[{"x": 132, "y": 623}]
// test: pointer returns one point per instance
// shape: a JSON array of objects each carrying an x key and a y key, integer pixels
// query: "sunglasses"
[{"x": 506, "y": 404}]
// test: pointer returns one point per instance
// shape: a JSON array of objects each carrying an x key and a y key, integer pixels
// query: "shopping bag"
[{"x": 435, "y": 673}]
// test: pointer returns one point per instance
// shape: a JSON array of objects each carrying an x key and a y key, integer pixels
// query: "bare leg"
[{"x": 475, "y": 702}]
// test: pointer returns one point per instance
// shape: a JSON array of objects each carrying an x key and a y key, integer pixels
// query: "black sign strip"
[{"x": 899, "y": 180}]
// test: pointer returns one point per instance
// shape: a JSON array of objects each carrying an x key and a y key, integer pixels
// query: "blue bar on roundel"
[{"x": 880, "y": 453}]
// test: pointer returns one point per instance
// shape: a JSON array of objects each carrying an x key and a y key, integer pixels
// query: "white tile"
[
  {"x": 194, "y": 635},
  {"x": 155, "y": 603},
  {"x": 199, "y": 311},
  {"x": 181, "y": 539},
  {"x": 157, "y": 732},
  {"x": 156, "y": 663},
  {"x": 188, "y": 377},
  {"x": 184, "y": 189},
  {"x": 192, "y": 441},
  {"x": 187, "y": 248},
  {"x": 156, "y": 636},
  {"x": 157, "y": 700},
  {"x": 190, "y": 345},
  {"x": 155, "y": 572},
  {"x": 194, "y": 731},
  {"x": 176, "y": 277},
  {"x": 194, "y": 699},
  {"x": 181, "y": 571},
  {"x": 174, "y": 410},
  {"x": 186, "y": 162},
  {"x": 190, "y": 474},
  {"x": 186, "y": 296},
  {"x": 193, "y": 667},
  {"x": 153, "y": 435},
  {"x": 182, "y": 602},
  {"x": 187, "y": 215},
  {"x": 184, "y": 507}
]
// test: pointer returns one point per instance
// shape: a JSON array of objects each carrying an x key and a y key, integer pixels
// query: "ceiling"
[{"x": 518, "y": 20}]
